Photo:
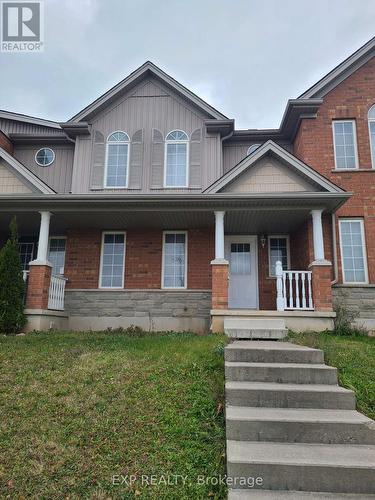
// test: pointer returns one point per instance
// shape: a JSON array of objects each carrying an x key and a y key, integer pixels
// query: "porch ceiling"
[{"x": 248, "y": 221}]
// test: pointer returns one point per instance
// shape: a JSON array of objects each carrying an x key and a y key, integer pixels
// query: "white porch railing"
[
  {"x": 294, "y": 290},
  {"x": 56, "y": 293}
]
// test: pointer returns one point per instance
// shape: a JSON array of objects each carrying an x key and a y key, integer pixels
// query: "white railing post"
[{"x": 280, "y": 300}]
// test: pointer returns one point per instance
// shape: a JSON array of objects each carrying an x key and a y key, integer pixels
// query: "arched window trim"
[
  {"x": 370, "y": 120},
  {"x": 248, "y": 152},
  {"x": 109, "y": 142},
  {"x": 176, "y": 141}
]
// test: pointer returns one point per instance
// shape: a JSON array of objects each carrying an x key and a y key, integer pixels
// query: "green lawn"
[
  {"x": 355, "y": 359},
  {"x": 78, "y": 410}
]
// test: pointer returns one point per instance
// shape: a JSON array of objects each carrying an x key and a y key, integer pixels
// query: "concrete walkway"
[{"x": 291, "y": 426}]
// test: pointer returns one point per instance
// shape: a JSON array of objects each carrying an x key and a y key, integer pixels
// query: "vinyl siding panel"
[
  {"x": 149, "y": 106},
  {"x": 268, "y": 175},
  {"x": 9, "y": 183},
  {"x": 58, "y": 175},
  {"x": 16, "y": 127}
]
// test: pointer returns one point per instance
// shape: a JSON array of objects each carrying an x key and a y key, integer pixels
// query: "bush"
[
  {"x": 344, "y": 321},
  {"x": 12, "y": 286}
]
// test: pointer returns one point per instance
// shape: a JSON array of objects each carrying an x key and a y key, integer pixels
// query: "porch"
[{"x": 229, "y": 240}]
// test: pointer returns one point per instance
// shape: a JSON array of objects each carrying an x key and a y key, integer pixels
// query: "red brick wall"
[
  {"x": 82, "y": 258},
  {"x": 314, "y": 145},
  {"x": 143, "y": 259},
  {"x": 5, "y": 143}
]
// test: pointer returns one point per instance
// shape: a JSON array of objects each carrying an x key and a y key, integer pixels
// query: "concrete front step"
[
  {"x": 272, "y": 352},
  {"x": 256, "y": 333},
  {"x": 291, "y": 425},
  {"x": 274, "y": 395},
  {"x": 294, "y": 495},
  {"x": 332, "y": 468},
  {"x": 255, "y": 328},
  {"x": 295, "y": 373}
]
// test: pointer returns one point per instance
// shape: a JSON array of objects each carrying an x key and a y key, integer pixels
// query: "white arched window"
[
  {"x": 371, "y": 128},
  {"x": 117, "y": 160},
  {"x": 176, "y": 159},
  {"x": 252, "y": 148}
]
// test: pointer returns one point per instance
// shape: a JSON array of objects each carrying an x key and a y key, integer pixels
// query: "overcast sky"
[{"x": 244, "y": 57}]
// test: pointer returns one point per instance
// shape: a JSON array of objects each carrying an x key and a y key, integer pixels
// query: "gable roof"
[
  {"x": 342, "y": 71},
  {"x": 282, "y": 154},
  {"x": 147, "y": 69},
  {"x": 25, "y": 174}
]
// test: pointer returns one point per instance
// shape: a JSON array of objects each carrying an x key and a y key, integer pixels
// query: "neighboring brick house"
[{"x": 148, "y": 207}]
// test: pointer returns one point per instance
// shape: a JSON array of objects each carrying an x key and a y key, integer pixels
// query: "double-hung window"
[
  {"x": 56, "y": 254},
  {"x": 345, "y": 144},
  {"x": 112, "y": 263},
  {"x": 117, "y": 160},
  {"x": 174, "y": 259},
  {"x": 353, "y": 251},
  {"x": 176, "y": 159},
  {"x": 371, "y": 128},
  {"x": 278, "y": 250}
]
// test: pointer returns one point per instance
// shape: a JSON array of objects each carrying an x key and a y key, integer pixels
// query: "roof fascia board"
[
  {"x": 25, "y": 173},
  {"x": 342, "y": 71},
  {"x": 132, "y": 79},
  {"x": 38, "y": 139},
  {"x": 8, "y": 115},
  {"x": 267, "y": 147}
]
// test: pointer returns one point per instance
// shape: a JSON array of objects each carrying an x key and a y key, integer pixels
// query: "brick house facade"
[{"x": 156, "y": 211}]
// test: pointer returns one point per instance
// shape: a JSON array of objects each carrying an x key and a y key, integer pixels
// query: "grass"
[
  {"x": 354, "y": 357},
  {"x": 78, "y": 408}
]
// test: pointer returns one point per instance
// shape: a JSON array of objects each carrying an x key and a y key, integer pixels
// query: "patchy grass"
[
  {"x": 78, "y": 408},
  {"x": 355, "y": 359}
]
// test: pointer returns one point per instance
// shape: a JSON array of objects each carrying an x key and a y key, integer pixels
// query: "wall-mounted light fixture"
[{"x": 263, "y": 240}]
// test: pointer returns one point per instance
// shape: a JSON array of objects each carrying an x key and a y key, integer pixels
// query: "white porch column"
[
  {"x": 219, "y": 235},
  {"x": 318, "y": 235},
  {"x": 43, "y": 238}
]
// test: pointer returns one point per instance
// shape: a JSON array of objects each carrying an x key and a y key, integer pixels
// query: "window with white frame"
[
  {"x": 353, "y": 251},
  {"x": 174, "y": 260},
  {"x": 345, "y": 144},
  {"x": 176, "y": 159},
  {"x": 56, "y": 254},
  {"x": 371, "y": 128},
  {"x": 278, "y": 249},
  {"x": 117, "y": 160},
  {"x": 26, "y": 253},
  {"x": 112, "y": 260}
]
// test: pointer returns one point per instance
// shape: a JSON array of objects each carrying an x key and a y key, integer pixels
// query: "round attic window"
[
  {"x": 45, "y": 157},
  {"x": 252, "y": 148}
]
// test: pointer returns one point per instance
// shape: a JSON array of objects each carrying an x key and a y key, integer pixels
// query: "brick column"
[
  {"x": 321, "y": 285},
  {"x": 38, "y": 286},
  {"x": 220, "y": 272}
]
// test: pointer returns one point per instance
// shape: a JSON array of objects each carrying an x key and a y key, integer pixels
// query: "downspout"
[{"x": 334, "y": 251}]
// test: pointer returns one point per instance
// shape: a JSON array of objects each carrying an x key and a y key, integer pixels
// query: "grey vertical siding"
[
  {"x": 58, "y": 175},
  {"x": 16, "y": 127},
  {"x": 150, "y": 105}
]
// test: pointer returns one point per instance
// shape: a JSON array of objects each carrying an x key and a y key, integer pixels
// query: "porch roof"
[{"x": 328, "y": 201}]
